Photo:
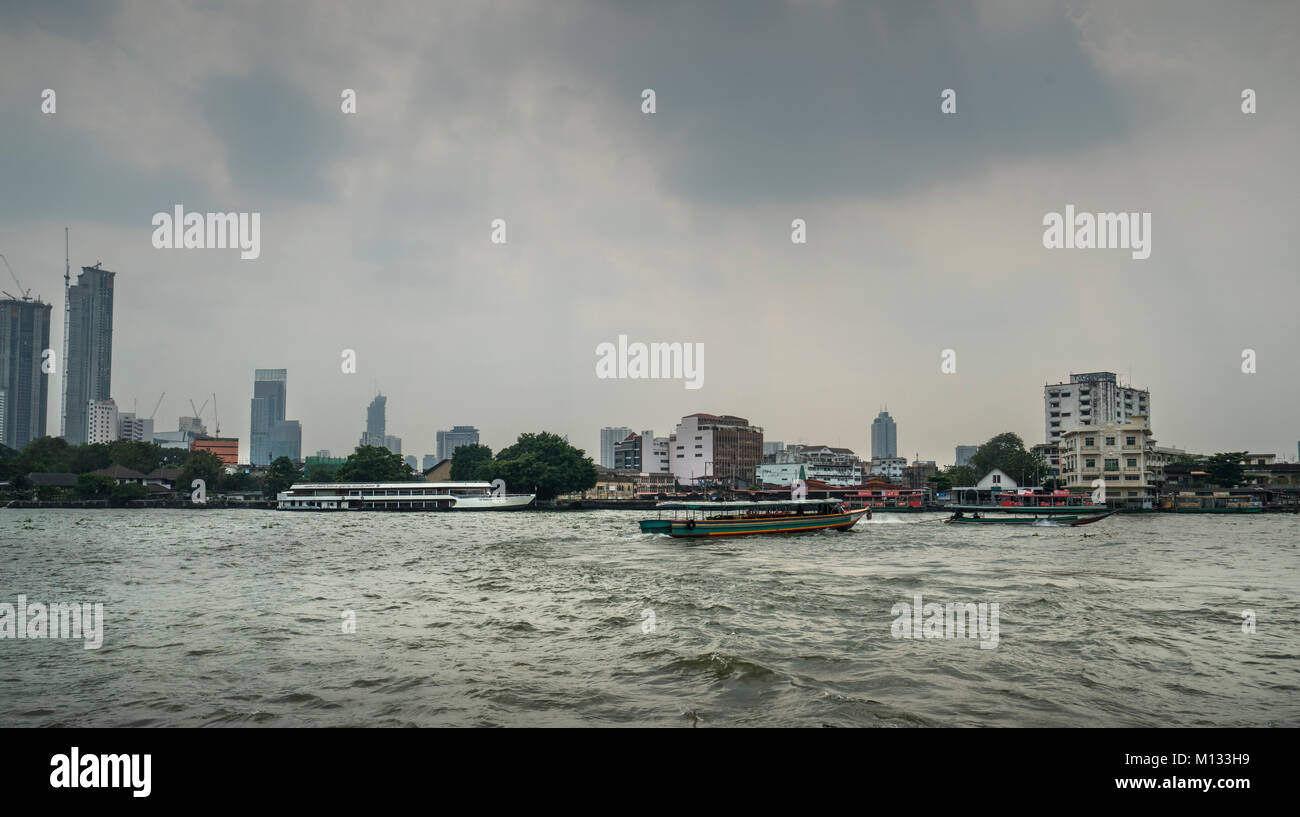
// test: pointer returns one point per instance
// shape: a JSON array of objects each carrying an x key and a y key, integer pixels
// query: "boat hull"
[{"x": 709, "y": 528}]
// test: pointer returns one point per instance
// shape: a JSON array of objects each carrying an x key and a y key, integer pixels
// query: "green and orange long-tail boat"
[{"x": 697, "y": 520}]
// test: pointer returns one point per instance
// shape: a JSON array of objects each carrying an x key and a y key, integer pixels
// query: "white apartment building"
[
  {"x": 1123, "y": 454},
  {"x": 890, "y": 468},
  {"x": 102, "y": 426},
  {"x": 1091, "y": 399},
  {"x": 715, "y": 449},
  {"x": 131, "y": 427}
]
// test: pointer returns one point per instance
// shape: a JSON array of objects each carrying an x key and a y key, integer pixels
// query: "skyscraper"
[
  {"x": 449, "y": 441},
  {"x": 24, "y": 389},
  {"x": 611, "y": 436},
  {"x": 270, "y": 393},
  {"x": 286, "y": 441},
  {"x": 376, "y": 422},
  {"x": 88, "y": 348},
  {"x": 884, "y": 437}
]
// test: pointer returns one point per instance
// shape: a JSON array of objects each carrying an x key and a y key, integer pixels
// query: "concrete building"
[
  {"x": 1091, "y": 399},
  {"x": 285, "y": 441},
  {"x": 131, "y": 427},
  {"x": 270, "y": 397},
  {"x": 323, "y": 453},
  {"x": 771, "y": 448},
  {"x": 642, "y": 453},
  {"x": 393, "y": 443},
  {"x": 24, "y": 388},
  {"x": 830, "y": 464},
  {"x": 428, "y": 461},
  {"x": 192, "y": 426},
  {"x": 889, "y": 468},
  {"x": 411, "y": 462},
  {"x": 226, "y": 449},
  {"x": 964, "y": 453},
  {"x": 449, "y": 441},
  {"x": 720, "y": 450},
  {"x": 376, "y": 433},
  {"x": 101, "y": 425},
  {"x": 917, "y": 475},
  {"x": 996, "y": 480},
  {"x": 1123, "y": 454},
  {"x": 88, "y": 348},
  {"x": 1051, "y": 454},
  {"x": 611, "y": 436},
  {"x": 884, "y": 437}
]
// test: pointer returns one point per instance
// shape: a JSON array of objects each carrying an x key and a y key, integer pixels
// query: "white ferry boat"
[{"x": 399, "y": 496}]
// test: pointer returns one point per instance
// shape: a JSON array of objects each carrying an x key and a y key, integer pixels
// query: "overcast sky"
[{"x": 924, "y": 229}]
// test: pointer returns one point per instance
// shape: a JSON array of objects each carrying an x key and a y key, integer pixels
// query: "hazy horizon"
[{"x": 924, "y": 229}]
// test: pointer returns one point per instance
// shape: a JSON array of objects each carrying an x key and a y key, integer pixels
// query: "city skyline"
[{"x": 928, "y": 228}]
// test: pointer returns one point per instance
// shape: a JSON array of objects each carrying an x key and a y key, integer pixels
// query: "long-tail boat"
[
  {"x": 695, "y": 520},
  {"x": 1000, "y": 515}
]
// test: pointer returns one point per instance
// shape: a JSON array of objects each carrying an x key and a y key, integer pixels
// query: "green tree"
[
  {"x": 86, "y": 458},
  {"x": 121, "y": 495},
  {"x": 46, "y": 454},
  {"x": 1007, "y": 452},
  {"x": 240, "y": 481},
  {"x": 202, "y": 465},
  {"x": 280, "y": 476},
  {"x": 371, "y": 463},
  {"x": 940, "y": 482},
  {"x": 961, "y": 476},
  {"x": 95, "y": 486},
  {"x": 468, "y": 461},
  {"x": 1225, "y": 470},
  {"x": 136, "y": 455},
  {"x": 543, "y": 461}
]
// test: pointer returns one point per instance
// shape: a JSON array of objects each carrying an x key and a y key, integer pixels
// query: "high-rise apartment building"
[
  {"x": 24, "y": 388},
  {"x": 376, "y": 422},
  {"x": 101, "y": 425},
  {"x": 449, "y": 441},
  {"x": 88, "y": 348},
  {"x": 1091, "y": 399},
  {"x": 611, "y": 436}
]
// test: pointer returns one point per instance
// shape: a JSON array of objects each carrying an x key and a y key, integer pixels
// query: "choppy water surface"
[{"x": 233, "y": 618}]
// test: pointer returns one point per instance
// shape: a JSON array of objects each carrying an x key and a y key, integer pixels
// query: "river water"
[{"x": 237, "y": 618}]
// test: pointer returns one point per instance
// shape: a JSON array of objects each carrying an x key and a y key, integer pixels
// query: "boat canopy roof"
[
  {"x": 727, "y": 506},
  {"x": 1031, "y": 509}
]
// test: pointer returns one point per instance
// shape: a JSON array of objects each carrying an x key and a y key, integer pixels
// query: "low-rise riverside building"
[{"x": 1122, "y": 454}]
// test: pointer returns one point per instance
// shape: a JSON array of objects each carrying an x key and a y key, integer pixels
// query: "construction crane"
[
  {"x": 26, "y": 293},
  {"x": 198, "y": 412},
  {"x": 156, "y": 405},
  {"x": 215, "y": 418}
]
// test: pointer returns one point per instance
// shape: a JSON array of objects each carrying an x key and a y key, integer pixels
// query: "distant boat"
[
  {"x": 399, "y": 496},
  {"x": 1064, "y": 515},
  {"x": 697, "y": 520},
  {"x": 1024, "y": 506}
]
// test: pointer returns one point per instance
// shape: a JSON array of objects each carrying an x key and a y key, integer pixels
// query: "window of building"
[
  {"x": 1089, "y": 442},
  {"x": 1090, "y": 462},
  {"x": 1110, "y": 441},
  {"x": 1112, "y": 465},
  {"x": 1132, "y": 462}
]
